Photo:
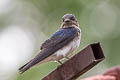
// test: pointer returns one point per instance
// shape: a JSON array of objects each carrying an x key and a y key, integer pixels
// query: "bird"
[{"x": 62, "y": 43}]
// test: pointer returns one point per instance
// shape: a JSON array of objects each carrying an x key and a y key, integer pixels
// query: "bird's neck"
[{"x": 67, "y": 26}]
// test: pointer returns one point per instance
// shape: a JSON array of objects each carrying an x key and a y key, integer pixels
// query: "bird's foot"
[
  {"x": 60, "y": 62},
  {"x": 67, "y": 57}
]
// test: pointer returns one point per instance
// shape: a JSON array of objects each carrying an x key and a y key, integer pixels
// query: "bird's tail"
[
  {"x": 40, "y": 58},
  {"x": 24, "y": 68},
  {"x": 31, "y": 63}
]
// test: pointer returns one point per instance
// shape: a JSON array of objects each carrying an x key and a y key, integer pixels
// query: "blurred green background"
[{"x": 25, "y": 24}]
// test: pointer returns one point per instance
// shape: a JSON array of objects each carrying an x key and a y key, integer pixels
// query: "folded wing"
[{"x": 58, "y": 40}]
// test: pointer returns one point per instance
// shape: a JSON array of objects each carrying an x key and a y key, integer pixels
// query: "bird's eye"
[{"x": 72, "y": 18}]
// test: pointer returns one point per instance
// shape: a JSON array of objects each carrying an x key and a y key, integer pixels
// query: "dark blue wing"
[
  {"x": 58, "y": 40},
  {"x": 59, "y": 36}
]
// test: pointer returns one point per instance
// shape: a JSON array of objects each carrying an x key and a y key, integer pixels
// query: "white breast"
[{"x": 69, "y": 48}]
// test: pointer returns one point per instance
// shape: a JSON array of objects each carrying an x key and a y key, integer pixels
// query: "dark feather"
[
  {"x": 59, "y": 36},
  {"x": 59, "y": 39},
  {"x": 20, "y": 69}
]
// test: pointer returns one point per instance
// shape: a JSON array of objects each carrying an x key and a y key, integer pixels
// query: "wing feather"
[
  {"x": 59, "y": 39},
  {"x": 59, "y": 36}
]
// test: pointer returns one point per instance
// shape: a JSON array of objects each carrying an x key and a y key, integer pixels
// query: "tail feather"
[{"x": 24, "y": 68}]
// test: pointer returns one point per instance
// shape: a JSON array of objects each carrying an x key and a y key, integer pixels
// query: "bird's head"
[{"x": 69, "y": 21}]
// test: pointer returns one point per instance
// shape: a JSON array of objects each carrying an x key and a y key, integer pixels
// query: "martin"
[{"x": 63, "y": 42}]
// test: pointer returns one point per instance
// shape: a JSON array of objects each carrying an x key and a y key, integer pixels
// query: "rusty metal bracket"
[{"x": 78, "y": 64}]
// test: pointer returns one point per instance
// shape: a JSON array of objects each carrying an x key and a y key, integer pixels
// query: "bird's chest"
[{"x": 74, "y": 44}]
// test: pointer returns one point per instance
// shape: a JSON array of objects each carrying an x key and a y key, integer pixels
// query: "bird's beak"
[{"x": 67, "y": 21}]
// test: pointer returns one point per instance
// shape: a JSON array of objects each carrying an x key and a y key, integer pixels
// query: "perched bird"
[{"x": 63, "y": 42}]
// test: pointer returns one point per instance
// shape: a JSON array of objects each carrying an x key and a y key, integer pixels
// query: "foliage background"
[{"x": 25, "y": 24}]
